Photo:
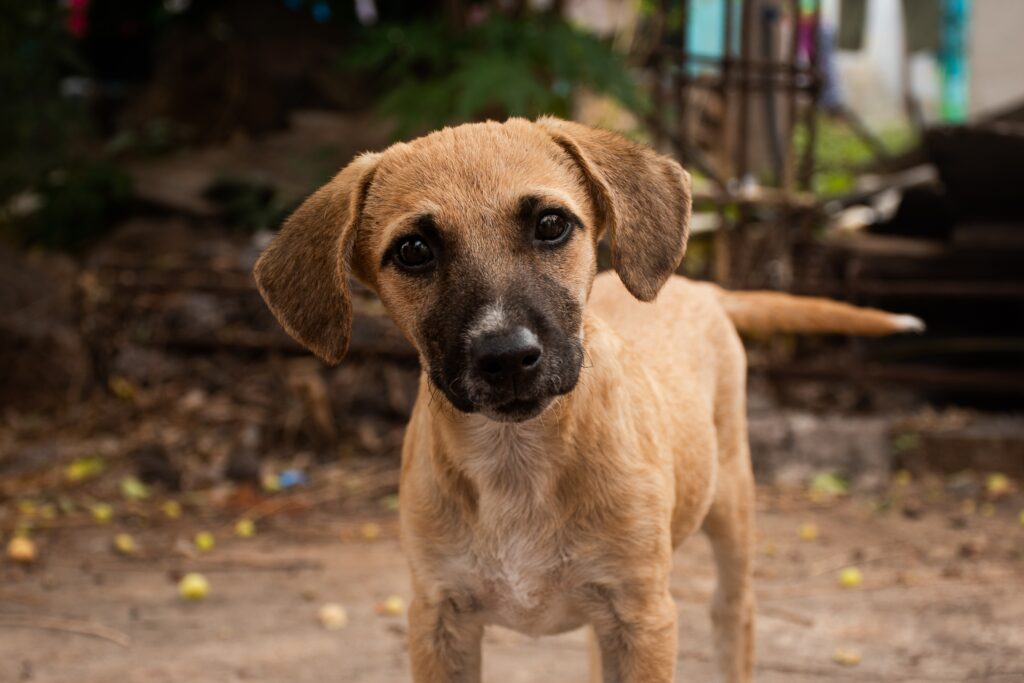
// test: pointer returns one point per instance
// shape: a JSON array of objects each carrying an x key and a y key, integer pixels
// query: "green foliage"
[
  {"x": 53, "y": 191},
  {"x": 69, "y": 208},
  {"x": 245, "y": 205},
  {"x": 829, "y": 484},
  {"x": 36, "y": 124},
  {"x": 840, "y": 154},
  {"x": 434, "y": 74}
]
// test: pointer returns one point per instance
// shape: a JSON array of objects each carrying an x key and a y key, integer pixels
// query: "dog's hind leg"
[{"x": 730, "y": 527}]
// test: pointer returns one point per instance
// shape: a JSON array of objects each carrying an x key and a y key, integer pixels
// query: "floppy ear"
[
  {"x": 301, "y": 275},
  {"x": 643, "y": 199}
]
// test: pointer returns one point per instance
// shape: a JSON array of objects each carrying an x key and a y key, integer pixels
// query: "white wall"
[{"x": 996, "y": 54}]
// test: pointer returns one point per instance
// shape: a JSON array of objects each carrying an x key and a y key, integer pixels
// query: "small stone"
[
  {"x": 243, "y": 465},
  {"x": 970, "y": 549},
  {"x": 333, "y": 616},
  {"x": 957, "y": 521},
  {"x": 22, "y": 550},
  {"x": 951, "y": 571},
  {"x": 913, "y": 509}
]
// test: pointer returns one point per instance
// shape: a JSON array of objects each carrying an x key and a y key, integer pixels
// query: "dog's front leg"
[
  {"x": 444, "y": 642},
  {"x": 637, "y": 636}
]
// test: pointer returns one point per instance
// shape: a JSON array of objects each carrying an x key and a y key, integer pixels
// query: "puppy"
[{"x": 566, "y": 436}]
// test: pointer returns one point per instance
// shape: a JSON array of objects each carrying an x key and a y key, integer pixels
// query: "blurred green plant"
[
  {"x": 434, "y": 73},
  {"x": 36, "y": 123},
  {"x": 247, "y": 206},
  {"x": 840, "y": 156},
  {"x": 69, "y": 207},
  {"x": 55, "y": 189}
]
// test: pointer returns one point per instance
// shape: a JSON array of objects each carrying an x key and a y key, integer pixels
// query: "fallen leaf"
[
  {"x": 245, "y": 528},
  {"x": 133, "y": 489},
  {"x": 845, "y": 657},
  {"x": 808, "y": 531},
  {"x": 122, "y": 387},
  {"x": 998, "y": 485},
  {"x": 81, "y": 469},
  {"x": 829, "y": 484},
  {"x": 125, "y": 544},
  {"x": 270, "y": 482},
  {"x": 850, "y": 577},
  {"x": 205, "y": 541},
  {"x": 171, "y": 509},
  {"x": 102, "y": 512},
  {"x": 393, "y": 606},
  {"x": 193, "y": 586}
]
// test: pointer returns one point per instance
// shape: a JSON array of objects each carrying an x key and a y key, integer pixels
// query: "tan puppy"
[{"x": 566, "y": 437}]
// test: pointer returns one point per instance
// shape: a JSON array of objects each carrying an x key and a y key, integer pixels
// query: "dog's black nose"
[{"x": 506, "y": 355}]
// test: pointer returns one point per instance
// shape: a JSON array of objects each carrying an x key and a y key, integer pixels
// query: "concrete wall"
[{"x": 996, "y": 54}]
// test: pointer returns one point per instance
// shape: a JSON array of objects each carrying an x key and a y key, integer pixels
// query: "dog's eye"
[
  {"x": 414, "y": 253},
  {"x": 552, "y": 227}
]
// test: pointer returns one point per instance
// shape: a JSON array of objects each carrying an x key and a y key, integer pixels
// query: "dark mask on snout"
[{"x": 505, "y": 353}]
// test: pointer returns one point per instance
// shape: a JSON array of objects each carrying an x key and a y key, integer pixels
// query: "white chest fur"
[{"x": 517, "y": 563}]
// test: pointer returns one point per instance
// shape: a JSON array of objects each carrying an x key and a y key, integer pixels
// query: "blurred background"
[{"x": 156, "y": 425}]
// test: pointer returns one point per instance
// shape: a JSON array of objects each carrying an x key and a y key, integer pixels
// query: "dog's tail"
[{"x": 762, "y": 312}]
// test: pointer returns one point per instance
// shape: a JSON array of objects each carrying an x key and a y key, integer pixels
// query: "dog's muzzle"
[{"x": 504, "y": 373}]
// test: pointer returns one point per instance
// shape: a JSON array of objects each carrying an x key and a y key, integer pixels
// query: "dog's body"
[
  {"x": 566, "y": 438},
  {"x": 571, "y": 518}
]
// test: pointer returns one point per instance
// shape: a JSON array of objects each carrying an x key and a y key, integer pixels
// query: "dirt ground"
[{"x": 941, "y": 600}]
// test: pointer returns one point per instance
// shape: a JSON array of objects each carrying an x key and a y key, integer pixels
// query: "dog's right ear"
[{"x": 301, "y": 275}]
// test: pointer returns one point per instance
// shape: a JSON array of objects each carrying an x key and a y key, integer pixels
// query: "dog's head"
[{"x": 481, "y": 242}]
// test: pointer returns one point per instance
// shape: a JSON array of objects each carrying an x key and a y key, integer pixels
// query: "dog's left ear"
[
  {"x": 301, "y": 275},
  {"x": 643, "y": 199}
]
